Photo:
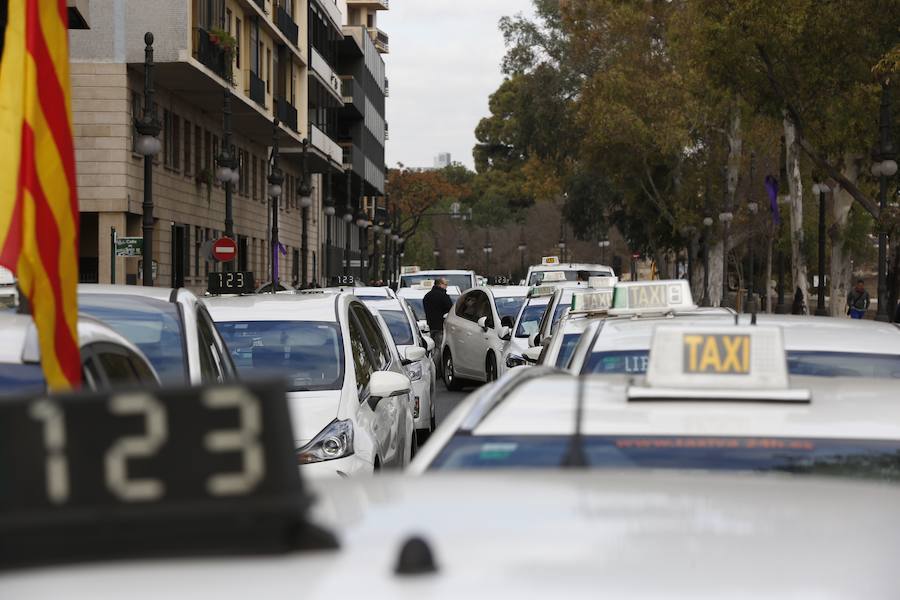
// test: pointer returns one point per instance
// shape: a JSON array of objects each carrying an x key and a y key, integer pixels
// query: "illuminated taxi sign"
[
  {"x": 591, "y": 302},
  {"x": 550, "y": 260},
  {"x": 553, "y": 277},
  {"x": 635, "y": 297},
  {"x": 602, "y": 282},
  {"x": 717, "y": 363},
  {"x": 425, "y": 284},
  {"x": 539, "y": 291},
  {"x": 409, "y": 270}
]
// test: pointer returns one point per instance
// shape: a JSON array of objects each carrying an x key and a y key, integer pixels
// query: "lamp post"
[
  {"x": 820, "y": 189},
  {"x": 688, "y": 232},
  {"x": 305, "y": 194},
  {"x": 883, "y": 166},
  {"x": 562, "y": 249},
  {"x": 227, "y": 170},
  {"x": 348, "y": 220},
  {"x": 488, "y": 250},
  {"x": 522, "y": 249},
  {"x": 603, "y": 245},
  {"x": 362, "y": 222},
  {"x": 387, "y": 230},
  {"x": 329, "y": 213},
  {"x": 276, "y": 178},
  {"x": 725, "y": 217},
  {"x": 460, "y": 253},
  {"x": 707, "y": 224},
  {"x": 753, "y": 207},
  {"x": 148, "y": 145}
]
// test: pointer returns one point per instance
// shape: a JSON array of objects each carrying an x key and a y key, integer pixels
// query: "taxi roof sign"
[
  {"x": 550, "y": 260},
  {"x": 553, "y": 277},
  {"x": 715, "y": 362},
  {"x": 425, "y": 284},
  {"x": 652, "y": 297},
  {"x": 410, "y": 269},
  {"x": 539, "y": 291},
  {"x": 591, "y": 302},
  {"x": 602, "y": 282}
]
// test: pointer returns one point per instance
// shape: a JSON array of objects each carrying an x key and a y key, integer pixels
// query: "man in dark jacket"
[
  {"x": 858, "y": 301},
  {"x": 437, "y": 304}
]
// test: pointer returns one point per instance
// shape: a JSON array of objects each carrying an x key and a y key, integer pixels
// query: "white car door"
[
  {"x": 467, "y": 334},
  {"x": 389, "y": 416}
]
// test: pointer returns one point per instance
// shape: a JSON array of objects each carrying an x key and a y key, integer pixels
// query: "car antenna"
[{"x": 575, "y": 457}]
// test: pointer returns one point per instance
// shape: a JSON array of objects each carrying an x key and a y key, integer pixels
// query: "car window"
[
  {"x": 211, "y": 369},
  {"x": 538, "y": 276},
  {"x": 119, "y": 368},
  {"x": 467, "y": 307},
  {"x": 362, "y": 362},
  {"x": 566, "y": 348},
  {"x": 483, "y": 307},
  {"x": 154, "y": 326},
  {"x": 308, "y": 355},
  {"x": 531, "y": 317},
  {"x": 398, "y": 324},
  {"x": 16, "y": 379},
  {"x": 509, "y": 306},
  {"x": 417, "y": 307},
  {"x": 380, "y": 354}
]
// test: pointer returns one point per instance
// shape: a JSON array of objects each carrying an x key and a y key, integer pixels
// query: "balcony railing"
[
  {"x": 261, "y": 4},
  {"x": 387, "y": 88},
  {"x": 386, "y": 133},
  {"x": 210, "y": 55},
  {"x": 380, "y": 38},
  {"x": 377, "y": 4},
  {"x": 321, "y": 67},
  {"x": 334, "y": 13},
  {"x": 353, "y": 93},
  {"x": 353, "y": 158},
  {"x": 286, "y": 113},
  {"x": 286, "y": 25},
  {"x": 257, "y": 89},
  {"x": 320, "y": 140}
]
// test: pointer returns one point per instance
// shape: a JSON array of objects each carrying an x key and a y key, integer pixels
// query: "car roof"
[
  {"x": 509, "y": 291},
  {"x": 379, "y": 291},
  {"x": 440, "y": 272},
  {"x": 525, "y": 535},
  {"x": 841, "y": 407},
  {"x": 276, "y": 307},
  {"x": 571, "y": 267},
  {"x": 628, "y": 333},
  {"x": 803, "y": 332},
  {"x": 157, "y": 293},
  {"x": 386, "y": 304}
]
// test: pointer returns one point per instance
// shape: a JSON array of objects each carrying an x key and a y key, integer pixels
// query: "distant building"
[{"x": 442, "y": 160}]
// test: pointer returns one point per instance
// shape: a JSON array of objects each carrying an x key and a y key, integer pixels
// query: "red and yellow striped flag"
[{"x": 38, "y": 191}]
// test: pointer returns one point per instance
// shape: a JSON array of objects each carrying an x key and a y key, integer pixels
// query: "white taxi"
[
  {"x": 415, "y": 296},
  {"x": 404, "y": 332},
  {"x": 349, "y": 394},
  {"x": 108, "y": 360},
  {"x": 714, "y": 398},
  {"x": 475, "y": 337},
  {"x": 170, "y": 326},
  {"x": 537, "y": 274}
]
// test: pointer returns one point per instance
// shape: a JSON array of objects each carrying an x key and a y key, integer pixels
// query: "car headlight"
[
  {"x": 335, "y": 441},
  {"x": 515, "y": 360},
  {"x": 414, "y": 371}
]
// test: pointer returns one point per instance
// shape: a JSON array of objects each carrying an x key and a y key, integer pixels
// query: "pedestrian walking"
[
  {"x": 437, "y": 304},
  {"x": 858, "y": 300},
  {"x": 799, "y": 307}
]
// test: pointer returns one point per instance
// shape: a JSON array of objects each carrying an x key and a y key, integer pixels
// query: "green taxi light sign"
[{"x": 652, "y": 297}]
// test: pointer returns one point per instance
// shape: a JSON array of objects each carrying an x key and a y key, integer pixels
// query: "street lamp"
[
  {"x": 437, "y": 256},
  {"x": 304, "y": 194},
  {"x": 820, "y": 189},
  {"x": 603, "y": 245},
  {"x": 362, "y": 222},
  {"x": 522, "y": 249},
  {"x": 753, "y": 208},
  {"x": 148, "y": 145},
  {"x": 227, "y": 170},
  {"x": 348, "y": 220},
  {"x": 275, "y": 179},
  {"x": 725, "y": 218},
  {"x": 488, "y": 250},
  {"x": 883, "y": 166},
  {"x": 329, "y": 211}
]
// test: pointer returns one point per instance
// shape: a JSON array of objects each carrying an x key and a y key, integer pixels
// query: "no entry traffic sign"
[{"x": 224, "y": 249}]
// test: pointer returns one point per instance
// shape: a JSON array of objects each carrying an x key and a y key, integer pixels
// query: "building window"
[
  {"x": 228, "y": 20},
  {"x": 268, "y": 71},
  {"x": 213, "y": 157},
  {"x": 255, "y": 46},
  {"x": 198, "y": 149},
  {"x": 206, "y": 262},
  {"x": 211, "y": 14},
  {"x": 171, "y": 140},
  {"x": 253, "y": 176},
  {"x": 237, "y": 47},
  {"x": 198, "y": 242},
  {"x": 136, "y": 113},
  {"x": 242, "y": 173},
  {"x": 187, "y": 147}
]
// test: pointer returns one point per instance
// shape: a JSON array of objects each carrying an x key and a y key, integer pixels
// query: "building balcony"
[
  {"x": 261, "y": 4},
  {"x": 286, "y": 113},
  {"x": 320, "y": 141},
  {"x": 386, "y": 134},
  {"x": 210, "y": 55},
  {"x": 334, "y": 13},
  {"x": 372, "y": 4},
  {"x": 287, "y": 25},
  {"x": 353, "y": 158},
  {"x": 380, "y": 38},
  {"x": 387, "y": 88},
  {"x": 320, "y": 69},
  {"x": 354, "y": 95},
  {"x": 257, "y": 91}
]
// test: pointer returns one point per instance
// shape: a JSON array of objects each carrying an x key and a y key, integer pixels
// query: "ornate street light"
[
  {"x": 820, "y": 189},
  {"x": 883, "y": 166},
  {"x": 148, "y": 145},
  {"x": 275, "y": 180}
]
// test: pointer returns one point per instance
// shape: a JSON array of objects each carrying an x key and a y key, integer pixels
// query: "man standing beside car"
[{"x": 436, "y": 304}]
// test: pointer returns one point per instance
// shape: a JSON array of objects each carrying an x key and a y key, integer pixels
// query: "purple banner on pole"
[{"x": 772, "y": 189}]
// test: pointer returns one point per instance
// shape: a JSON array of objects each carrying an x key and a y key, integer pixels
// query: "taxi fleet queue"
[{"x": 617, "y": 439}]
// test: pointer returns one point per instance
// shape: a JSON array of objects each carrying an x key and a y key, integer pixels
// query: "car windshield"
[
  {"x": 866, "y": 459},
  {"x": 531, "y": 317},
  {"x": 566, "y": 348},
  {"x": 418, "y": 308},
  {"x": 462, "y": 281},
  {"x": 309, "y": 355},
  {"x": 816, "y": 364},
  {"x": 399, "y": 326},
  {"x": 537, "y": 277},
  {"x": 21, "y": 379},
  {"x": 152, "y": 325},
  {"x": 509, "y": 306}
]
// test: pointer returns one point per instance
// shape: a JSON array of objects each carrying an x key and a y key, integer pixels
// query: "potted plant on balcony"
[
  {"x": 226, "y": 43},
  {"x": 204, "y": 177}
]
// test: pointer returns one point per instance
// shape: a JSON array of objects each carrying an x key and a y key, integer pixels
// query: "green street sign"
[{"x": 129, "y": 246}]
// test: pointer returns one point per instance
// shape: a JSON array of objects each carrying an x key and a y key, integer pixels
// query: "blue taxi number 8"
[{"x": 244, "y": 439}]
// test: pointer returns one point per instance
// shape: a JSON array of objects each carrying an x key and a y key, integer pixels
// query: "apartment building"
[{"x": 252, "y": 49}]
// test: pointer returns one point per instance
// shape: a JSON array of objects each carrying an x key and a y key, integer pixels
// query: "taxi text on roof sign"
[
  {"x": 652, "y": 297},
  {"x": 550, "y": 260},
  {"x": 591, "y": 302},
  {"x": 715, "y": 362},
  {"x": 409, "y": 269},
  {"x": 602, "y": 282},
  {"x": 541, "y": 290},
  {"x": 426, "y": 284}
]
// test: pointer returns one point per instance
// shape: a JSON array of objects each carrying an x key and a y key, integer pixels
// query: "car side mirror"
[
  {"x": 411, "y": 354},
  {"x": 507, "y": 321},
  {"x": 386, "y": 384},
  {"x": 482, "y": 322},
  {"x": 532, "y": 355},
  {"x": 429, "y": 343},
  {"x": 504, "y": 333},
  {"x": 534, "y": 339},
  {"x": 423, "y": 326}
]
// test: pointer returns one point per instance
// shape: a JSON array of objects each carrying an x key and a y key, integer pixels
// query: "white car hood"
[{"x": 311, "y": 412}]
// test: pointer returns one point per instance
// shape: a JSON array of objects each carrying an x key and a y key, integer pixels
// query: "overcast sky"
[{"x": 443, "y": 64}]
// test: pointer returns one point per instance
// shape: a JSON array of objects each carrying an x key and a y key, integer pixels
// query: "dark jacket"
[
  {"x": 858, "y": 300},
  {"x": 437, "y": 304}
]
